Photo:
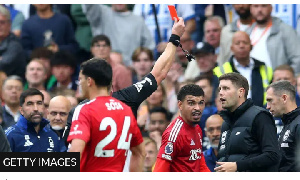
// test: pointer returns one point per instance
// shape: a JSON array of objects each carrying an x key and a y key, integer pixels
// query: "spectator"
[
  {"x": 142, "y": 62},
  {"x": 274, "y": 42},
  {"x": 213, "y": 132},
  {"x": 159, "y": 120},
  {"x": 17, "y": 19},
  {"x": 58, "y": 111},
  {"x": 11, "y": 51},
  {"x": 164, "y": 21},
  {"x": 11, "y": 91},
  {"x": 32, "y": 133},
  {"x": 35, "y": 75},
  {"x": 83, "y": 32},
  {"x": 174, "y": 76},
  {"x": 101, "y": 48},
  {"x": 48, "y": 29},
  {"x": 242, "y": 24},
  {"x": 151, "y": 153},
  {"x": 206, "y": 62},
  {"x": 47, "y": 98},
  {"x": 256, "y": 72},
  {"x": 212, "y": 33},
  {"x": 156, "y": 99},
  {"x": 127, "y": 32},
  {"x": 63, "y": 65},
  {"x": 116, "y": 57},
  {"x": 44, "y": 55}
]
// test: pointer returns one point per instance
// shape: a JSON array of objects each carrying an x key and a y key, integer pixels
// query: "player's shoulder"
[{"x": 174, "y": 130}]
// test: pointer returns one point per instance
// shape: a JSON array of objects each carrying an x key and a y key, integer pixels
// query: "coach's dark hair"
[
  {"x": 30, "y": 92},
  {"x": 283, "y": 87},
  {"x": 99, "y": 70},
  {"x": 101, "y": 37},
  {"x": 190, "y": 89},
  {"x": 163, "y": 110},
  {"x": 237, "y": 80}
]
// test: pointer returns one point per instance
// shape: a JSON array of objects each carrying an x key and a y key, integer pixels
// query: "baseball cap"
[{"x": 204, "y": 48}]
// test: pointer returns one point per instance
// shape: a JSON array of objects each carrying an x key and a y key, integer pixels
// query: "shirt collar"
[{"x": 238, "y": 65}]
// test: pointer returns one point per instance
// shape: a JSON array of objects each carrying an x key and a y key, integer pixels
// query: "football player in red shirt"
[
  {"x": 181, "y": 148},
  {"x": 104, "y": 129}
]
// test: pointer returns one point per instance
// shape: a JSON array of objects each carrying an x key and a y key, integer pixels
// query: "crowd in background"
[{"x": 43, "y": 45}]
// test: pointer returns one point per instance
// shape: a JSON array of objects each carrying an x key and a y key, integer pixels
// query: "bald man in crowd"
[
  {"x": 256, "y": 72},
  {"x": 213, "y": 132},
  {"x": 58, "y": 111}
]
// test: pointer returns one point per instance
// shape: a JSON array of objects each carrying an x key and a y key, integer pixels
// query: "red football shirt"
[
  {"x": 109, "y": 129},
  {"x": 182, "y": 146}
]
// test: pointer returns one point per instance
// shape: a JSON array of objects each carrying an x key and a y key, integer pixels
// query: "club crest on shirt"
[
  {"x": 169, "y": 148},
  {"x": 286, "y": 135},
  {"x": 223, "y": 138},
  {"x": 27, "y": 142}
]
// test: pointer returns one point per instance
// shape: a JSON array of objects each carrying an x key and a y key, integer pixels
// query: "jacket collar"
[
  {"x": 289, "y": 117},
  {"x": 29, "y": 126},
  {"x": 233, "y": 116},
  {"x": 257, "y": 63}
]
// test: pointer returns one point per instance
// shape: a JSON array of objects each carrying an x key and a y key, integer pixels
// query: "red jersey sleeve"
[
  {"x": 162, "y": 165},
  {"x": 137, "y": 137},
  {"x": 80, "y": 128},
  {"x": 170, "y": 145}
]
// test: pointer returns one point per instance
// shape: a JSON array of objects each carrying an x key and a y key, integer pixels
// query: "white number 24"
[{"x": 122, "y": 144}]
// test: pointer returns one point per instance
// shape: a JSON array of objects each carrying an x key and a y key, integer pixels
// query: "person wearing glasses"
[{"x": 58, "y": 111}]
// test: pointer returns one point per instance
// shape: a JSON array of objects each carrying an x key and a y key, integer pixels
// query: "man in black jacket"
[
  {"x": 281, "y": 102},
  {"x": 248, "y": 137},
  {"x": 4, "y": 145}
]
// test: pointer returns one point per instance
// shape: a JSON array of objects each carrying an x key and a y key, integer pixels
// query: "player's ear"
[{"x": 179, "y": 103}]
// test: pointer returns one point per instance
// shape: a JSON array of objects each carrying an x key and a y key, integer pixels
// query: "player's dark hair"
[
  {"x": 190, "y": 89},
  {"x": 101, "y": 37},
  {"x": 99, "y": 70},
  {"x": 238, "y": 80},
  {"x": 30, "y": 92}
]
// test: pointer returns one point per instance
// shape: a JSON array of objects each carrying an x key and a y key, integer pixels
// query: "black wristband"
[{"x": 175, "y": 39}]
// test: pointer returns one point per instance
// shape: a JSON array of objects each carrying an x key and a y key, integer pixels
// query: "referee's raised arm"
[{"x": 165, "y": 61}]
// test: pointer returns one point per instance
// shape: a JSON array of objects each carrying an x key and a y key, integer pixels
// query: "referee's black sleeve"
[{"x": 264, "y": 130}]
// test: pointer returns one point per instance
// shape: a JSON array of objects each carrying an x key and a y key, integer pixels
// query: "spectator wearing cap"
[
  {"x": 63, "y": 65},
  {"x": 256, "y": 72},
  {"x": 212, "y": 35}
]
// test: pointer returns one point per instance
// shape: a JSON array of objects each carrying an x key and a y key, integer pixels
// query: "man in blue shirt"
[
  {"x": 213, "y": 132},
  {"x": 32, "y": 132}
]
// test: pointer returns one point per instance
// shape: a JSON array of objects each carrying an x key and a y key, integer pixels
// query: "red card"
[{"x": 173, "y": 12}]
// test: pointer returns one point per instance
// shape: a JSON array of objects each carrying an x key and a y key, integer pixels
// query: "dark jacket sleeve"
[
  {"x": 4, "y": 144},
  {"x": 264, "y": 130}
]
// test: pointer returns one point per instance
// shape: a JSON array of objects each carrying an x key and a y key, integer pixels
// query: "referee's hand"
[{"x": 178, "y": 27}]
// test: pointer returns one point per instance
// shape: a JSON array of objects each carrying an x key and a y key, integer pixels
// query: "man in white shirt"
[{"x": 274, "y": 42}]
